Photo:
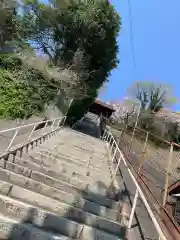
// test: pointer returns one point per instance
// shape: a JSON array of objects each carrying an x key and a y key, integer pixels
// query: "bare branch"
[
  {"x": 64, "y": 79},
  {"x": 124, "y": 112}
]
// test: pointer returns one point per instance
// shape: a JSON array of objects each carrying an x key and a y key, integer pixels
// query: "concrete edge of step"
[
  {"x": 73, "y": 177},
  {"x": 27, "y": 173},
  {"x": 17, "y": 191},
  {"x": 16, "y": 204},
  {"x": 18, "y": 162},
  {"x": 91, "y": 168},
  {"x": 72, "y": 158},
  {"x": 43, "y": 164},
  {"x": 9, "y": 228},
  {"x": 59, "y": 195}
]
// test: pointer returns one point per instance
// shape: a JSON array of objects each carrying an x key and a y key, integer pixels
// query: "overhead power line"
[{"x": 131, "y": 35}]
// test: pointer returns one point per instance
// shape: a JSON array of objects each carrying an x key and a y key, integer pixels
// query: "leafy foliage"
[
  {"x": 79, "y": 34},
  {"x": 79, "y": 39},
  {"x": 10, "y": 27},
  {"x": 10, "y": 61},
  {"x": 23, "y": 92},
  {"x": 16, "y": 98}
]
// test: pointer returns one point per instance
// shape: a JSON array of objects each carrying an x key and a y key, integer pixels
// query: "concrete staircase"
[{"x": 60, "y": 189}]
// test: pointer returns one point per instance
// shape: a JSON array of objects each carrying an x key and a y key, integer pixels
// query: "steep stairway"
[{"x": 61, "y": 189}]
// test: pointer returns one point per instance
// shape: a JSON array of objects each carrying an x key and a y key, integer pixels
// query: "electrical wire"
[{"x": 132, "y": 36}]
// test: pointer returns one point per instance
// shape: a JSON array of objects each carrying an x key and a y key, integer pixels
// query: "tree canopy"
[
  {"x": 77, "y": 37},
  {"x": 8, "y": 22},
  {"x": 80, "y": 34}
]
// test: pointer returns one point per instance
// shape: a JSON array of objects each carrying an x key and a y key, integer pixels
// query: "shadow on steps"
[
  {"x": 49, "y": 226},
  {"x": 88, "y": 127}
]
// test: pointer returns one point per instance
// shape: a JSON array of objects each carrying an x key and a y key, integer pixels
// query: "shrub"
[{"x": 21, "y": 98}]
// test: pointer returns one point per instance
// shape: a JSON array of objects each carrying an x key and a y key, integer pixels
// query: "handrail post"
[
  {"x": 137, "y": 193},
  {"x": 114, "y": 176},
  {"x": 53, "y": 123},
  {"x": 44, "y": 126},
  {"x": 111, "y": 146},
  {"x": 12, "y": 140},
  {"x": 64, "y": 120},
  {"x": 58, "y": 122},
  {"x": 107, "y": 136},
  {"x": 31, "y": 133},
  {"x": 114, "y": 154},
  {"x": 118, "y": 165},
  {"x": 133, "y": 209},
  {"x": 104, "y": 134},
  {"x": 167, "y": 175}
]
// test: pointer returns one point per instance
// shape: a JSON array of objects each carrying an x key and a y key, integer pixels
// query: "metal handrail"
[
  {"x": 27, "y": 125},
  {"x": 108, "y": 137},
  {"x": 54, "y": 124}
]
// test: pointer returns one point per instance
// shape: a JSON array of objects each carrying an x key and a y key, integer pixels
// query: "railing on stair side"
[
  {"x": 26, "y": 132},
  {"x": 109, "y": 138}
]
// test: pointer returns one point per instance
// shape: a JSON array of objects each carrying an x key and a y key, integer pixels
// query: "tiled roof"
[{"x": 97, "y": 101}]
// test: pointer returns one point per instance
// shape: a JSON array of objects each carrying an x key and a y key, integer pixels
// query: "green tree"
[
  {"x": 78, "y": 34},
  {"x": 11, "y": 28},
  {"x": 9, "y": 24}
]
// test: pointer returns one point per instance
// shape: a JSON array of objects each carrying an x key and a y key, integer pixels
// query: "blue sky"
[{"x": 156, "y": 30}]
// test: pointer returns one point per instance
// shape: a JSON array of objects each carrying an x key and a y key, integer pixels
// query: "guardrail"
[
  {"x": 114, "y": 149},
  {"x": 25, "y": 133}
]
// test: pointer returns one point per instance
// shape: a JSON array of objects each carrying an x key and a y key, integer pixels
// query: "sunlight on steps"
[{"x": 60, "y": 189}]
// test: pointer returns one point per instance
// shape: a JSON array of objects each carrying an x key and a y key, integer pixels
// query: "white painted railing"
[
  {"x": 25, "y": 133},
  {"x": 109, "y": 138}
]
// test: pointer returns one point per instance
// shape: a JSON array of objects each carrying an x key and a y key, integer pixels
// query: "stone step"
[
  {"x": 63, "y": 186},
  {"x": 68, "y": 132},
  {"x": 61, "y": 147},
  {"x": 16, "y": 209},
  {"x": 14, "y": 230},
  {"x": 94, "y": 164},
  {"x": 72, "y": 159},
  {"x": 64, "y": 172},
  {"x": 77, "y": 152},
  {"x": 82, "y": 141},
  {"x": 65, "y": 152},
  {"x": 27, "y": 213},
  {"x": 54, "y": 163},
  {"x": 72, "y": 200},
  {"x": 58, "y": 174},
  {"x": 97, "y": 188},
  {"x": 65, "y": 159},
  {"x": 85, "y": 147}
]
